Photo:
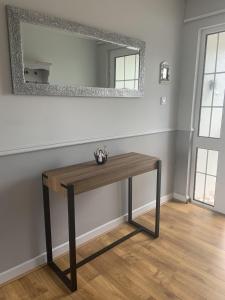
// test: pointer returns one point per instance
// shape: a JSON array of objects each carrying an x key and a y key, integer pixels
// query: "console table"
[{"x": 80, "y": 178}]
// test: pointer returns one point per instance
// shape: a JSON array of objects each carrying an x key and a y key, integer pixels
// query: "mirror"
[{"x": 51, "y": 56}]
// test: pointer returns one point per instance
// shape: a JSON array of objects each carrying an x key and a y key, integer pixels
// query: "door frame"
[{"x": 196, "y": 107}]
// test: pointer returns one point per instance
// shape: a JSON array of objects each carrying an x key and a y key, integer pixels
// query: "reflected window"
[{"x": 127, "y": 72}]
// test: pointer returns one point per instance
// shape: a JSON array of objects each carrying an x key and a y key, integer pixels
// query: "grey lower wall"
[
  {"x": 181, "y": 166},
  {"x": 21, "y": 214}
]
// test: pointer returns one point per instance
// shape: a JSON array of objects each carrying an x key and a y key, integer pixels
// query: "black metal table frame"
[{"x": 74, "y": 265}]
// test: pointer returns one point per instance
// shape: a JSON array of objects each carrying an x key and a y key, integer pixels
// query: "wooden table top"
[{"x": 88, "y": 176}]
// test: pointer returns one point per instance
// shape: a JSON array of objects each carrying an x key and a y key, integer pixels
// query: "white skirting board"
[
  {"x": 41, "y": 259},
  {"x": 180, "y": 197}
]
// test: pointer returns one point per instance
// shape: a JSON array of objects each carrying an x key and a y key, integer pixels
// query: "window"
[
  {"x": 213, "y": 90},
  {"x": 127, "y": 72}
]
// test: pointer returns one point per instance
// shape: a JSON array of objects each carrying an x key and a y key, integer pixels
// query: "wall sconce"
[{"x": 164, "y": 72}]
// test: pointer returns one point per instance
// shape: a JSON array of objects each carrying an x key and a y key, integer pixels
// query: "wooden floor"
[{"x": 186, "y": 262}]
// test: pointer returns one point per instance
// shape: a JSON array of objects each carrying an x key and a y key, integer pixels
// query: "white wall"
[
  {"x": 196, "y": 8},
  {"x": 44, "y": 121},
  {"x": 27, "y": 121}
]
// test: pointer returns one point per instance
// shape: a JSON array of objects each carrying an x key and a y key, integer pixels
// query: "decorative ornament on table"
[{"x": 101, "y": 155}]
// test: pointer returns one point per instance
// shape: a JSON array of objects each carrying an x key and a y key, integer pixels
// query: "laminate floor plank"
[{"x": 186, "y": 262}]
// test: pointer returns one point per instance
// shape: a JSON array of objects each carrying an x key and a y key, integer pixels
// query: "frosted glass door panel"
[
  {"x": 211, "y": 48},
  {"x": 221, "y": 53},
  {"x": 219, "y": 92},
  {"x": 200, "y": 187},
  {"x": 216, "y": 120},
  {"x": 205, "y": 122},
  {"x": 205, "y": 176},
  {"x": 207, "y": 94},
  {"x": 213, "y": 88},
  {"x": 202, "y": 160},
  {"x": 210, "y": 188},
  {"x": 212, "y": 162}
]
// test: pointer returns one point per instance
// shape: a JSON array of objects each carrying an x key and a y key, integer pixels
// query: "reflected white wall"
[{"x": 73, "y": 60}]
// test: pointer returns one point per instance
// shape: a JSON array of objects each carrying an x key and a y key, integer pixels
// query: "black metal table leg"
[
  {"x": 47, "y": 218},
  {"x": 130, "y": 204},
  {"x": 154, "y": 233},
  {"x": 72, "y": 237},
  {"x": 72, "y": 282},
  {"x": 158, "y": 197}
]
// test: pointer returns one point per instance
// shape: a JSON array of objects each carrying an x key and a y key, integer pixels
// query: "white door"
[{"x": 208, "y": 157}]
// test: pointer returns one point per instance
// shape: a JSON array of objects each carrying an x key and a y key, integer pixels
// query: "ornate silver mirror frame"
[{"x": 20, "y": 87}]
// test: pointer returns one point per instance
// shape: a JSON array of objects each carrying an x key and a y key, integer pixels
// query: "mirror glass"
[{"x": 55, "y": 56}]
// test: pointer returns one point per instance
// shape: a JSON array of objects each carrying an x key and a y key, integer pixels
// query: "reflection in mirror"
[{"x": 55, "y": 56}]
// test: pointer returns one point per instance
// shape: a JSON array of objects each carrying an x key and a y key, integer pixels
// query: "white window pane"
[
  {"x": 129, "y": 84},
  {"x": 129, "y": 67},
  {"x": 211, "y": 49},
  {"x": 204, "y": 121},
  {"x": 119, "y": 68},
  {"x": 137, "y": 67},
  {"x": 218, "y": 99},
  {"x": 119, "y": 84},
  {"x": 212, "y": 162},
  {"x": 216, "y": 122},
  {"x": 136, "y": 85},
  {"x": 207, "y": 92},
  {"x": 221, "y": 53},
  {"x": 199, "y": 187},
  {"x": 201, "y": 160},
  {"x": 210, "y": 188}
]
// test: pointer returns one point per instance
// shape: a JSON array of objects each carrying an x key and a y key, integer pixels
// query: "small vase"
[{"x": 101, "y": 156}]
